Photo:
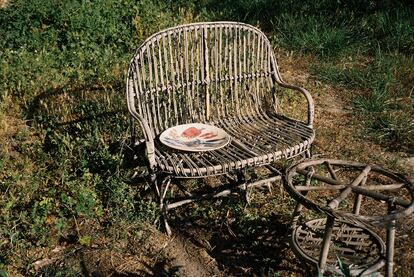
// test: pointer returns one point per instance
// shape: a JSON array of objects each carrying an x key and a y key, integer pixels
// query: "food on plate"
[
  {"x": 191, "y": 132},
  {"x": 208, "y": 135}
]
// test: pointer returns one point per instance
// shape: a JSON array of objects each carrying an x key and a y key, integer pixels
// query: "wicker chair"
[{"x": 219, "y": 73}]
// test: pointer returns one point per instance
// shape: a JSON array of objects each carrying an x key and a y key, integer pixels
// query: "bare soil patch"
[{"x": 4, "y": 3}]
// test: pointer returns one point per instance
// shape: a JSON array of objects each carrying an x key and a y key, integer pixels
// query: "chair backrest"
[{"x": 201, "y": 72}]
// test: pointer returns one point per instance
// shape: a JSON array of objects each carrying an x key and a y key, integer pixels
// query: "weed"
[{"x": 375, "y": 102}]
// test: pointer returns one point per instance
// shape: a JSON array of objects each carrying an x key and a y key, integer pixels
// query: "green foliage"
[
  {"x": 312, "y": 34},
  {"x": 153, "y": 16},
  {"x": 85, "y": 240},
  {"x": 62, "y": 270},
  {"x": 343, "y": 267},
  {"x": 62, "y": 65},
  {"x": 372, "y": 54}
]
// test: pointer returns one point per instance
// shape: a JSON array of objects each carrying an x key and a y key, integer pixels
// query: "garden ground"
[{"x": 67, "y": 203}]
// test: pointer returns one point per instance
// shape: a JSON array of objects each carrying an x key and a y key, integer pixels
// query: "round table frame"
[{"x": 360, "y": 187}]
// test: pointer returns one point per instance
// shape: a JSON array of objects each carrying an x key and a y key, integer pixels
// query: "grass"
[
  {"x": 382, "y": 97},
  {"x": 372, "y": 59},
  {"x": 64, "y": 157}
]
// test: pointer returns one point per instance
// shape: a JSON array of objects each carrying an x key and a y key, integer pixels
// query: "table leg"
[
  {"x": 390, "y": 241},
  {"x": 326, "y": 243}
]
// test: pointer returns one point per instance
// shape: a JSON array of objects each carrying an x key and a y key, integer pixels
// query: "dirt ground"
[
  {"x": 225, "y": 248},
  {"x": 4, "y": 3}
]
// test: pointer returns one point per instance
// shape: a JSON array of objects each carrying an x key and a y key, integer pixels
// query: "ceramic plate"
[{"x": 195, "y": 137}]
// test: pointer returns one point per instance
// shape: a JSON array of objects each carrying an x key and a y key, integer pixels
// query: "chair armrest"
[
  {"x": 308, "y": 96},
  {"x": 309, "y": 99}
]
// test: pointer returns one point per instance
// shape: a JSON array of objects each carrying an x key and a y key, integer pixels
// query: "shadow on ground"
[
  {"x": 257, "y": 247},
  {"x": 239, "y": 245},
  {"x": 159, "y": 269}
]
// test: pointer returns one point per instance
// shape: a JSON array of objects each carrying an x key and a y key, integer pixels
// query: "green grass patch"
[
  {"x": 63, "y": 158},
  {"x": 369, "y": 52},
  {"x": 312, "y": 34}
]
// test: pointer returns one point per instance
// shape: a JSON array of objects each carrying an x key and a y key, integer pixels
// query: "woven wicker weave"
[
  {"x": 359, "y": 194},
  {"x": 358, "y": 248}
]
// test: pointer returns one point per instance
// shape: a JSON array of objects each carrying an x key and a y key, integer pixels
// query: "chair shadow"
[
  {"x": 72, "y": 110},
  {"x": 88, "y": 118},
  {"x": 257, "y": 247}
]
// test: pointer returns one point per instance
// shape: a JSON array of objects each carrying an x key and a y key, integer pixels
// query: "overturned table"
[{"x": 356, "y": 199}]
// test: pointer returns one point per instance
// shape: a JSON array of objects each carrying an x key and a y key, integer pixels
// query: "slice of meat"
[
  {"x": 208, "y": 135},
  {"x": 191, "y": 132}
]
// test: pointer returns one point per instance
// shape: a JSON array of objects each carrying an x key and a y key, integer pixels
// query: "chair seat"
[{"x": 255, "y": 141}]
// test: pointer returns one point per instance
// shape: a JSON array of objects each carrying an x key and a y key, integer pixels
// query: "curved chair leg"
[
  {"x": 308, "y": 153},
  {"x": 298, "y": 207},
  {"x": 241, "y": 179},
  {"x": 161, "y": 185}
]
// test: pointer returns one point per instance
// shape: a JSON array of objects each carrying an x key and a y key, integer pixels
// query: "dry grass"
[
  {"x": 4, "y": 3},
  {"x": 338, "y": 136},
  {"x": 338, "y": 128}
]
